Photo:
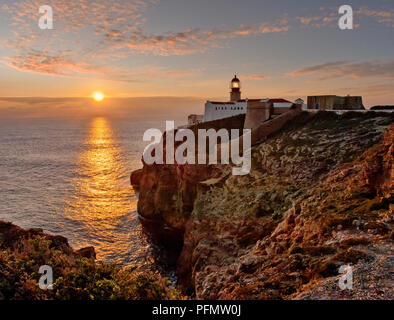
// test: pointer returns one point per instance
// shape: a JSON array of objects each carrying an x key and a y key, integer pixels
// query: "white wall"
[
  {"x": 220, "y": 111},
  {"x": 282, "y": 104}
]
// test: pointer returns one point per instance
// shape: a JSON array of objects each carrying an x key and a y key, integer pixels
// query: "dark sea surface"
[{"x": 71, "y": 177}]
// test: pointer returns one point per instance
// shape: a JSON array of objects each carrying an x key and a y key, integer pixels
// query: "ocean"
[{"x": 71, "y": 177}]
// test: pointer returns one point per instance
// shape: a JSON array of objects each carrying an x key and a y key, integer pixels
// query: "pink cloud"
[
  {"x": 117, "y": 31},
  {"x": 191, "y": 40},
  {"x": 44, "y": 63},
  {"x": 118, "y": 25},
  {"x": 62, "y": 64}
]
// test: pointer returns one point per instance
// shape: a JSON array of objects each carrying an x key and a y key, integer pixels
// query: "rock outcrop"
[
  {"x": 76, "y": 274},
  {"x": 319, "y": 195},
  {"x": 135, "y": 178},
  {"x": 11, "y": 236}
]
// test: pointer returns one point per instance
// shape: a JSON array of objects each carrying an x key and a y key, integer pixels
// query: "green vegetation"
[{"x": 75, "y": 277}]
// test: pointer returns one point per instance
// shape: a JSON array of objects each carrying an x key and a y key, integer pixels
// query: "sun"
[{"x": 98, "y": 96}]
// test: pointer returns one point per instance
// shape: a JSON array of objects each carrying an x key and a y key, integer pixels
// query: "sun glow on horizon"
[{"x": 98, "y": 96}]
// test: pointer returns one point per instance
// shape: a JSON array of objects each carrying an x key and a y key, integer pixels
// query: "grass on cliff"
[{"x": 75, "y": 277}]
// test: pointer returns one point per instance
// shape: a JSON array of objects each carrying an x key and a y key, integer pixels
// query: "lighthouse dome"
[{"x": 235, "y": 83}]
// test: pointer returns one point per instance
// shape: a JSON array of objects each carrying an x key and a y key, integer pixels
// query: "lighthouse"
[
  {"x": 235, "y": 87},
  {"x": 259, "y": 110}
]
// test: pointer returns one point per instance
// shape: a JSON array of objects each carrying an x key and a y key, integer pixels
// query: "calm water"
[{"x": 71, "y": 177}]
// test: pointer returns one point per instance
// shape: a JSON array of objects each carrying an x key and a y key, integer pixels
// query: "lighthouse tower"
[{"x": 235, "y": 87}]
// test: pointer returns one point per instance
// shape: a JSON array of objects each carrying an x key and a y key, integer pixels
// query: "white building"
[{"x": 219, "y": 110}]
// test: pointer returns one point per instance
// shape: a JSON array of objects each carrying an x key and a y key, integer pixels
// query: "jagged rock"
[
  {"x": 87, "y": 252},
  {"x": 135, "y": 178},
  {"x": 315, "y": 188},
  {"x": 11, "y": 235}
]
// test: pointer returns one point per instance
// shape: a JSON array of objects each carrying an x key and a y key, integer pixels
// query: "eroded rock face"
[
  {"x": 320, "y": 194},
  {"x": 166, "y": 198}
]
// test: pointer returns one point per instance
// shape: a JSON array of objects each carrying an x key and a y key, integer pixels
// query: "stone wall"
[
  {"x": 321, "y": 102},
  {"x": 354, "y": 103},
  {"x": 257, "y": 113},
  {"x": 235, "y": 122},
  {"x": 332, "y": 102},
  {"x": 273, "y": 125}
]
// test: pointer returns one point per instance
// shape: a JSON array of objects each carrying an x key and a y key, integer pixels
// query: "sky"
[{"x": 133, "y": 50}]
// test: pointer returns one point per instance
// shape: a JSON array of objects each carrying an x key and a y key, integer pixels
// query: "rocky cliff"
[
  {"x": 319, "y": 195},
  {"x": 76, "y": 275}
]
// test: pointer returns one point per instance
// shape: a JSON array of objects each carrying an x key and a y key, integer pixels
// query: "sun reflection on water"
[{"x": 104, "y": 204}]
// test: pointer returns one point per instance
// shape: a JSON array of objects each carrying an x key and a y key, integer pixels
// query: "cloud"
[
  {"x": 318, "y": 21},
  {"x": 189, "y": 41},
  {"x": 42, "y": 62},
  {"x": 385, "y": 17},
  {"x": 152, "y": 108},
  {"x": 254, "y": 76},
  {"x": 330, "y": 16},
  {"x": 80, "y": 25},
  {"x": 348, "y": 69},
  {"x": 116, "y": 25},
  {"x": 378, "y": 89},
  {"x": 62, "y": 64},
  {"x": 116, "y": 31},
  {"x": 96, "y": 34},
  {"x": 69, "y": 15}
]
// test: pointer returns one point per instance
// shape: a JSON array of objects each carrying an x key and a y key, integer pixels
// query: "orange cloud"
[
  {"x": 62, "y": 64},
  {"x": 117, "y": 31},
  {"x": 381, "y": 16},
  {"x": 318, "y": 21},
  {"x": 44, "y": 63},
  {"x": 254, "y": 76},
  {"x": 190, "y": 41},
  {"x": 118, "y": 25}
]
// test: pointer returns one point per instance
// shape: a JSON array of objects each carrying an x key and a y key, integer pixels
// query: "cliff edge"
[{"x": 319, "y": 196}]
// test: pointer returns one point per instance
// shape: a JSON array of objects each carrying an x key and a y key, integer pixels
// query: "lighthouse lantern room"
[{"x": 235, "y": 87}]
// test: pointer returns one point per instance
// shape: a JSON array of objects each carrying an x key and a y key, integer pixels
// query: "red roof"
[
  {"x": 230, "y": 102},
  {"x": 244, "y": 100},
  {"x": 280, "y": 100}
]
